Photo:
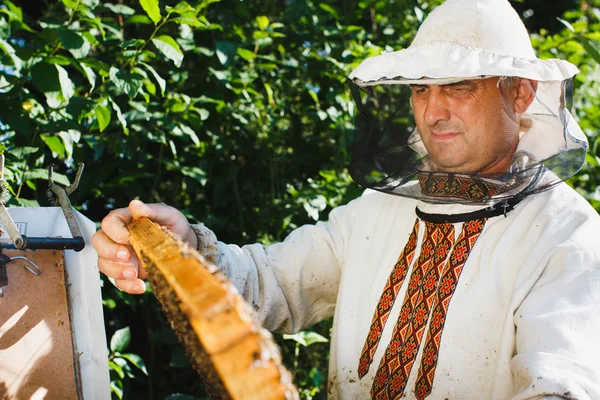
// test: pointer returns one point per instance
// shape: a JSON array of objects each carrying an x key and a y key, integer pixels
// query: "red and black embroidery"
[
  {"x": 469, "y": 235},
  {"x": 432, "y": 283},
  {"x": 461, "y": 187},
  {"x": 390, "y": 291},
  {"x": 408, "y": 332}
]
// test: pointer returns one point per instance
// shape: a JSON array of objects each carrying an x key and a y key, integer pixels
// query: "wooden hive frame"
[{"x": 236, "y": 357}]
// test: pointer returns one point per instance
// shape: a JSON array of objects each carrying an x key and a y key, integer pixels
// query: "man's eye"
[
  {"x": 460, "y": 88},
  {"x": 419, "y": 90}
]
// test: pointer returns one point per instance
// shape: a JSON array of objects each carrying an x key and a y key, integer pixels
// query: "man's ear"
[{"x": 525, "y": 94}]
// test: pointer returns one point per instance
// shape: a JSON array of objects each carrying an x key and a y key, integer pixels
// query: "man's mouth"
[{"x": 445, "y": 135}]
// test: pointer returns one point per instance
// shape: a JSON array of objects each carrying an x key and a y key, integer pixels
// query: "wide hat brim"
[{"x": 442, "y": 62}]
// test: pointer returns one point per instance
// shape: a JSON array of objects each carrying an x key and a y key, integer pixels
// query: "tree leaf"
[
  {"x": 269, "y": 91},
  {"x": 120, "y": 116},
  {"x": 102, "y": 116},
  {"x": 55, "y": 145},
  {"x": 132, "y": 43},
  {"x": 69, "y": 138},
  {"x": 152, "y": 9},
  {"x": 75, "y": 43},
  {"x": 136, "y": 360},
  {"x": 120, "y": 340},
  {"x": 116, "y": 386},
  {"x": 590, "y": 47},
  {"x": 129, "y": 83},
  {"x": 169, "y": 48},
  {"x": 161, "y": 82},
  {"x": 90, "y": 76},
  {"x": 120, "y": 9},
  {"x": 330, "y": 10},
  {"x": 306, "y": 338},
  {"x": 183, "y": 9},
  {"x": 41, "y": 173},
  {"x": 263, "y": 22},
  {"x": 246, "y": 54},
  {"x": 16, "y": 13},
  {"x": 138, "y": 19},
  {"x": 71, "y": 4},
  {"x": 67, "y": 88},
  {"x": 101, "y": 67},
  {"x": 314, "y": 337},
  {"x": 117, "y": 368},
  {"x": 225, "y": 51},
  {"x": 8, "y": 49}
]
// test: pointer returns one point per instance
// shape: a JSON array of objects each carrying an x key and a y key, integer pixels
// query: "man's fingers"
[
  {"x": 136, "y": 286},
  {"x": 115, "y": 223},
  {"x": 162, "y": 214},
  {"x": 117, "y": 270},
  {"x": 107, "y": 248},
  {"x": 159, "y": 213}
]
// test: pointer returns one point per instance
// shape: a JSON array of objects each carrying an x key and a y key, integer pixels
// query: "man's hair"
[{"x": 508, "y": 82}]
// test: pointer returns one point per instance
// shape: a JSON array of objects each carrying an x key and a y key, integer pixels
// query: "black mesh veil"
[{"x": 390, "y": 155}]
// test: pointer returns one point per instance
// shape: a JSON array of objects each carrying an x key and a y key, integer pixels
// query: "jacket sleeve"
[
  {"x": 292, "y": 284},
  {"x": 558, "y": 330}
]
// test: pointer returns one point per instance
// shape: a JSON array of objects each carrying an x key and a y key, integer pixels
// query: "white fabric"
[{"x": 523, "y": 322}]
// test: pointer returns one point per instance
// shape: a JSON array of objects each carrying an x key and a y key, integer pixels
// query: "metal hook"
[
  {"x": 504, "y": 207},
  {"x": 35, "y": 270}
]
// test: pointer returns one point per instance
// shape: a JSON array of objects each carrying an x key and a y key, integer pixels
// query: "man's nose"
[{"x": 436, "y": 109}]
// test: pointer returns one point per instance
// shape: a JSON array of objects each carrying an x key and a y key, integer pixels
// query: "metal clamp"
[
  {"x": 58, "y": 196},
  {"x": 4, "y": 260}
]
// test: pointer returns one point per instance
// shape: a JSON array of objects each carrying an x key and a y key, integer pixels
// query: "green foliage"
[{"x": 235, "y": 112}]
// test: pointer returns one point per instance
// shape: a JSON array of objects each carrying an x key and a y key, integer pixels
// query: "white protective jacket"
[{"x": 524, "y": 321}]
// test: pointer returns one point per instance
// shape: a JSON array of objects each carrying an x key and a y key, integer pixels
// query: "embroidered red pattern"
[
  {"x": 432, "y": 283},
  {"x": 406, "y": 339},
  {"x": 462, "y": 187},
  {"x": 390, "y": 291},
  {"x": 469, "y": 235}
]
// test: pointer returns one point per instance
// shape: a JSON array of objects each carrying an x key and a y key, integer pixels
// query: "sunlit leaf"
[
  {"x": 42, "y": 173},
  {"x": 15, "y": 11},
  {"x": 330, "y": 10},
  {"x": 75, "y": 43},
  {"x": 152, "y": 8},
  {"x": 116, "y": 387},
  {"x": 90, "y": 76},
  {"x": 120, "y": 116},
  {"x": 8, "y": 49},
  {"x": 263, "y": 22},
  {"x": 129, "y": 83},
  {"x": 55, "y": 145},
  {"x": 182, "y": 8},
  {"x": 136, "y": 360},
  {"x": 53, "y": 80},
  {"x": 132, "y": 43},
  {"x": 120, "y": 340},
  {"x": 119, "y": 9},
  {"x": 102, "y": 116},
  {"x": 246, "y": 54},
  {"x": 169, "y": 48},
  {"x": 161, "y": 82},
  {"x": 138, "y": 19},
  {"x": 67, "y": 87}
]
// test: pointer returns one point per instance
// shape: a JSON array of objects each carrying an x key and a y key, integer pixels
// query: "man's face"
[{"x": 467, "y": 127}]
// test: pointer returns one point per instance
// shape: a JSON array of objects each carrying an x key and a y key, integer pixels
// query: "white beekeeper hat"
[{"x": 464, "y": 40}]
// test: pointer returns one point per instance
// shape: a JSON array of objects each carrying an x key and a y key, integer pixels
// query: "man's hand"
[{"x": 116, "y": 258}]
